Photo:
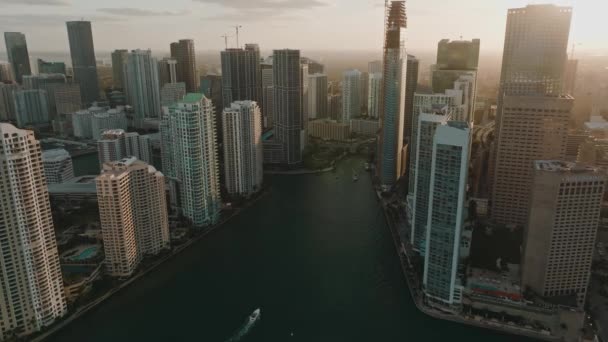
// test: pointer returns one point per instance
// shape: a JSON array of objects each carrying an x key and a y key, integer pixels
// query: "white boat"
[
  {"x": 255, "y": 315},
  {"x": 355, "y": 176}
]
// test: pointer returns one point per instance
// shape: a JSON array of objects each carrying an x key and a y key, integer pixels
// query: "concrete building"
[
  {"x": 183, "y": 52},
  {"x": 57, "y": 166},
  {"x": 243, "y": 151},
  {"x": 317, "y": 96},
  {"x": 287, "y": 104},
  {"x": 241, "y": 74},
  {"x": 141, "y": 85},
  {"x": 374, "y": 67},
  {"x": 31, "y": 277},
  {"x": 364, "y": 127},
  {"x": 446, "y": 213},
  {"x": 45, "y": 67},
  {"x": 116, "y": 144},
  {"x": 82, "y": 122},
  {"x": 84, "y": 64},
  {"x": 364, "y": 91},
  {"x": 394, "y": 76},
  {"x": 111, "y": 119},
  {"x": 7, "y": 102},
  {"x": 374, "y": 99},
  {"x": 167, "y": 71},
  {"x": 67, "y": 99},
  {"x": 172, "y": 92},
  {"x": 119, "y": 61},
  {"x": 6, "y": 73},
  {"x": 133, "y": 214},
  {"x": 411, "y": 85},
  {"x": 18, "y": 56},
  {"x": 458, "y": 55},
  {"x": 49, "y": 83},
  {"x": 559, "y": 241},
  {"x": 334, "y": 106},
  {"x": 31, "y": 108},
  {"x": 267, "y": 92},
  {"x": 351, "y": 101},
  {"x": 329, "y": 130},
  {"x": 190, "y": 161}
]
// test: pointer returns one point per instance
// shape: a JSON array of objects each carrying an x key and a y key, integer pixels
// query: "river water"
[{"x": 315, "y": 255}]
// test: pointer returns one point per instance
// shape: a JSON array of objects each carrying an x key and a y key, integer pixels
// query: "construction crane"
[
  {"x": 225, "y": 36},
  {"x": 237, "y": 27}
]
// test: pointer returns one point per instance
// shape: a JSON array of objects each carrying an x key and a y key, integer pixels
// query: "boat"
[
  {"x": 355, "y": 176},
  {"x": 255, "y": 315},
  {"x": 368, "y": 167}
]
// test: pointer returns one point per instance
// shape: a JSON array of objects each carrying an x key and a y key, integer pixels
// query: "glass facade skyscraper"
[
  {"x": 84, "y": 64},
  {"x": 18, "y": 56}
]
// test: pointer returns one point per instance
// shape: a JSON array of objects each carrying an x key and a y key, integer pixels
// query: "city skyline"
[{"x": 206, "y": 20}]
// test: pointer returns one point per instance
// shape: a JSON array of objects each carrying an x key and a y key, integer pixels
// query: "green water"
[
  {"x": 314, "y": 254},
  {"x": 86, "y": 165}
]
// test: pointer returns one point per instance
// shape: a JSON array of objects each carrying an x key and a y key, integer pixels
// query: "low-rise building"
[
  {"x": 364, "y": 126},
  {"x": 329, "y": 130},
  {"x": 57, "y": 166}
]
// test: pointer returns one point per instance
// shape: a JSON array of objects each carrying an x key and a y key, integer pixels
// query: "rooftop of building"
[
  {"x": 111, "y": 133},
  {"x": 192, "y": 98},
  {"x": 118, "y": 168},
  {"x": 562, "y": 166},
  {"x": 493, "y": 282},
  {"x": 77, "y": 185},
  {"x": 56, "y": 154}
]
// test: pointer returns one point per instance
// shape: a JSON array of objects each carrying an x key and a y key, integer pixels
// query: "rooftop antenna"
[
  {"x": 237, "y": 27},
  {"x": 225, "y": 36}
]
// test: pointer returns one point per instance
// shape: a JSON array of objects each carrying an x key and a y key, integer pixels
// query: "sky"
[{"x": 301, "y": 24}]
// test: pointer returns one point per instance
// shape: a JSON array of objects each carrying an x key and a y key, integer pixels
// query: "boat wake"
[{"x": 246, "y": 327}]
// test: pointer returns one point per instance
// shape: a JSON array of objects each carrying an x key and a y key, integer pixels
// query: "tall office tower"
[
  {"x": 67, "y": 99},
  {"x": 31, "y": 108},
  {"x": 458, "y": 55},
  {"x": 304, "y": 102},
  {"x": 167, "y": 71},
  {"x": 532, "y": 117},
  {"x": 351, "y": 102},
  {"x": 314, "y": 67},
  {"x": 57, "y": 166},
  {"x": 334, "y": 106},
  {"x": 45, "y": 67},
  {"x": 31, "y": 277},
  {"x": 172, "y": 92},
  {"x": 446, "y": 214},
  {"x": 119, "y": 61},
  {"x": 267, "y": 92},
  {"x": 141, "y": 84},
  {"x": 189, "y": 152},
  {"x": 83, "y": 59},
  {"x": 243, "y": 154},
  {"x": 393, "y": 105},
  {"x": 6, "y": 73},
  {"x": 559, "y": 240},
  {"x": 7, "y": 102},
  {"x": 317, "y": 96},
  {"x": 287, "y": 100},
  {"x": 18, "y": 56},
  {"x": 411, "y": 84},
  {"x": 364, "y": 91},
  {"x": 115, "y": 118},
  {"x": 183, "y": 52},
  {"x": 421, "y": 174},
  {"x": 133, "y": 214},
  {"x": 374, "y": 67},
  {"x": 374, "y": 98},
  {"x": 570, "y": 76},
  {"x": 241, "y": 74},
  {"x": 211, "y": 87},
  {"x": 48, "y": 83},
  {"x": 116, "y": 144}
]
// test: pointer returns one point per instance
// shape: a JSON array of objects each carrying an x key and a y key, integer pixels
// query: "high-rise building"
[
  {"x": 570, "y": 76},
  {"x": 167, "y": 71},
  {"x": 559, "y": 241},
  {"x": 83, "y": 59},
  {"x": 31, "y": 276},
  {"x": 7, "y": 102},
  {"x": 243, "y": 153},
  {"x": 67, "y": 98},
  {"x": 189, "y": 154},
  {"x": 393, "y": 104},
  {"x": 458, "y": 55},
  {"x": 317, "y": 96},
  {"x": 267, "y": 92},
  {"x": 57, "y": 166},
  {"x": 18, "y": 56},
  {"x": 183, "y": 52},
  {"x": 364, "y": 91},
  {"x": 314, "y": 67},
  {"x": 304, "y": 103},
  {"x": 532, "y": 117},
  {"x": 82, "y": 121},
  {"x": 287, "y": 104},
  {"x": 141, "y": 84},
  {"x": 48, "y": 83},
  {"x": 351, "y": 102},
  {"x": 116, "y": 144},
  {"x": 115, "y": 118},
  {"x": 211, "y": 87},
  {"x": 446, "y": 212},
  {"x": 6, "y": 73},
  {"x": 411, "y": 80},
  {"x": 241, "y": 74},
  {"x": 45, "y": 67},
  {"x": 133, "y": 214},
  {"x": 374, "y": 67},
  {"x": 172, "y": 92},
  {"x": 374, "y": 99},
  {"x": 31, "y": 108},
  {"x": 334, "y": 106},
  {"x": 119, "y": 61}
]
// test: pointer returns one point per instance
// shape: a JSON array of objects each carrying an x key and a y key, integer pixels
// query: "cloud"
[
  {"x": 29, "y": 21},
  {"x": 279, "y": 5},
  {"x": 138, "y": 12},
  {"x": 36, "y": 2},
  {"x": 252, "y": 16},
  {"x": 261, "y": 10}
]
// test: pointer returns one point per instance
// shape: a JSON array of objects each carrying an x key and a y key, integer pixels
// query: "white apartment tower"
[
  {"x": 351, "y": 102},
  {"x": 374, "y": 99},
  {"x": 30, "y": 277},
  {"x": 58, "y": 166},
  {"x": 243, "y": 153}
]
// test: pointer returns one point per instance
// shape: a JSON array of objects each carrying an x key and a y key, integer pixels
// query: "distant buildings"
[
  {"x": 329, "y": 130},
  {"x": 334, "y": 106},
  {"x": 81, "y": 122},
  {"x": 110, "y": 119},
  {"x": 83, "y": 59},
  {"x": 241, "y": 74},
  {"x": 317, "y": 96},
  {"x": 67, "y": 99},
  {"x": 411, "y": 85},
  {"x": 183, "y": 52},
  {"x": 141, "y": 85},
  {"x": 364, "y": 126},
  {"x": 116, "y": 144},
  {"x": 287, "y": 102},
  {"x": 374, "y": 99},
  {"x": 394, "y": 76},
  {"x": 57, "y": 166},
  {"x": 167, "y": 71},
  {"x": 133, "y": 214},
  {"x": 31, "y": 277},
  {"x": 49, "y": 83},
  {"x": 351, "y": 101},
  {"x": 6, "y": 73},
  {"x": 267, "y": 92},
  {"x": 189, "y": 153},
  {"x": 7, "y": 102},
  {"x": 565, "y": 203},
  {"x": 18, "y": 56},
  {"x": 45, "y": 67},
  {"x": 374, "y": 67},
  {"x": 243, "y": 152},
  {"x": 119, "y": 61},
  {"x": 31, "y": 108},
  {"x": 172, "y": 92}
]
